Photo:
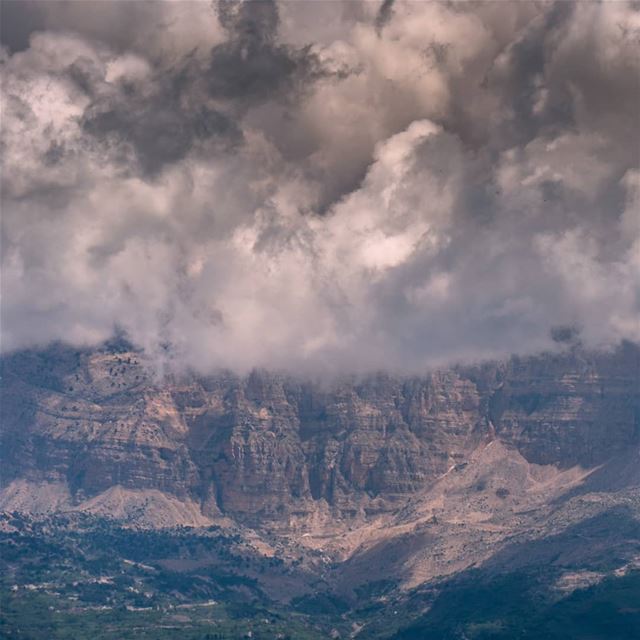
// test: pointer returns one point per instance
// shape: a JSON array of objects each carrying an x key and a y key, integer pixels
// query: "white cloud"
[{"x": 450, "y": 186}]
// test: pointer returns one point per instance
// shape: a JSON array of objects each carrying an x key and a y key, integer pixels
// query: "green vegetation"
[
  {"x": 71, "y": 578},
  {"x": 79, "y": 577},
  {"x": 45, "y": 617},
  {"x": 517, "y": 606}
]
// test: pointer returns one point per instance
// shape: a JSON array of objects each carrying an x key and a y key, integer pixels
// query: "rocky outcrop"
[
  {"x": 271, "y": 448},
  {"x": 96, "y": 424},
  {"x": 570, "y": 408}
]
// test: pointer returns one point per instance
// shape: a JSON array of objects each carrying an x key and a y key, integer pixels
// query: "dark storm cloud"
[
  {"x": 18, "y": 20},
  {"x": 159, "y": 119},
  {"x": 518, "y": 81},
  {"x": 251, "y": 66},
  {"x": 160, "y": 134},
  {"x": 167, "y": 113},
  {"x": 321, "y": 185},
  {"x": 114, "y": 23},
  {"x": 384, "y": 14}
]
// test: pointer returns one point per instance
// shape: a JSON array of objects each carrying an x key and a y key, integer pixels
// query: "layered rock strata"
[{"x": 270, "y": 448}]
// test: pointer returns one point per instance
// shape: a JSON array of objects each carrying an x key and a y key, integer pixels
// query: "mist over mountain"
[
  {"x": 319, "y": 319},
  {"x": 497, "y": 499}
]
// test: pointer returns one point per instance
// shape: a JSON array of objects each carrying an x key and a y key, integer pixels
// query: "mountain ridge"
[
  {"x": 361, "y": 505},
  {"x": 267, "y": 447}
]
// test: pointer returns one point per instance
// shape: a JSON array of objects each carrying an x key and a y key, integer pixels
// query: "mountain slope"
[{"x": 377, "y": 494}]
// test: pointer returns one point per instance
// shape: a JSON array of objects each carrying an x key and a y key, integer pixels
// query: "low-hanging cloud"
[{"x": 321, "y": 186}]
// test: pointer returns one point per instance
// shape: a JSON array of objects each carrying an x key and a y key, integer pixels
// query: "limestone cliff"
[{"x": 270, "y": 448}]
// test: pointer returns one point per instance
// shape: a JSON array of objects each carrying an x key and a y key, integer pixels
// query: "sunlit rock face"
[{"x": 271, "y": 448}]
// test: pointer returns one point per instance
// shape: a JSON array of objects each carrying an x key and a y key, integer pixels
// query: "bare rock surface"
[{"x": 410, "y": 479}]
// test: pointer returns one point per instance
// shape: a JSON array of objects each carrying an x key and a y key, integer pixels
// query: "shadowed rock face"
[
  {"x": 268, "y": 447},
  {"x": 568, "y": 410}
]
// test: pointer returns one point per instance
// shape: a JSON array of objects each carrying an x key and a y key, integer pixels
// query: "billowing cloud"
[{"x": 320, "y": 186}]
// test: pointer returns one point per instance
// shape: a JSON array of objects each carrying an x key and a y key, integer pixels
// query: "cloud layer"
[{"x": 320, "y": 186}]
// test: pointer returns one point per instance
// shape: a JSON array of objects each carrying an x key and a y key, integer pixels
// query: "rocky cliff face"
[
  {"x": 271, "y": 448},
  {"x": 566, "y": 410}
]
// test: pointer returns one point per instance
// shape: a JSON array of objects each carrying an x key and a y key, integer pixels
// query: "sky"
[{"x": 320, "y": 186}]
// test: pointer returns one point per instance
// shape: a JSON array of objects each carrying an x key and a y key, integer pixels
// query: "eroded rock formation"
[{"x": 270, "y": 448}]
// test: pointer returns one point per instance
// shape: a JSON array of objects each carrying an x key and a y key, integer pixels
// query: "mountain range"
[{"x": 373, "y": 491}]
